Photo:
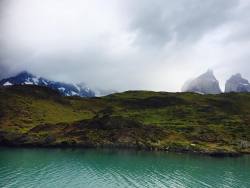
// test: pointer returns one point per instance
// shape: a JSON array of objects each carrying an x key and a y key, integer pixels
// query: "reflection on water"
[{"x": 118, "y": 168}]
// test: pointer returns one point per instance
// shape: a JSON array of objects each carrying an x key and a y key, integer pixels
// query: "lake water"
[{"x": 118, "y": 168}]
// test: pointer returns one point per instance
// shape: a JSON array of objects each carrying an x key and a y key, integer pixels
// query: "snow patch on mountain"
[
  {"x": 26, "y": 78},
  {"x": 7, "y": 84}
]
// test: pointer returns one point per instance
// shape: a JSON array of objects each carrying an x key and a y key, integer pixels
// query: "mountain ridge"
[{"x": 66, "y": 89}]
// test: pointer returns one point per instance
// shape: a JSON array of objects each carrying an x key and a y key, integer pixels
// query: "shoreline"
[{"x": 216, "y": 154}]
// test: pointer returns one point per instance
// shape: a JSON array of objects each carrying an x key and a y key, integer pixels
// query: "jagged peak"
[
  {"x": 236, "y": 83},
  {"x": 209, "y": 75},
  {"x": 210, "y": 71},
  {"x": 67, "y": 89},
  {"x": 237, "y": 75},
  {"x": 205, "y": 83}
]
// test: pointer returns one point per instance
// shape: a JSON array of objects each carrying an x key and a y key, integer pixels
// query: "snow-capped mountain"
[
  {"x": 26, "y": 78},
  {"x": 237, "y": 84},
  {"x": 204, "y": 84}
]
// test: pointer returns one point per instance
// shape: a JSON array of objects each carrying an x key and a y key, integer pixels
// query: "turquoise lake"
[{"x": 93, "y": 168}]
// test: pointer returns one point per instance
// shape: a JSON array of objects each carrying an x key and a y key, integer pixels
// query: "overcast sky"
[{"x": 125, "y": 44}]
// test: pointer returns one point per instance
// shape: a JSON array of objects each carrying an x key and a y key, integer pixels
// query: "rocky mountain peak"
[
  {"x": 26, "y": 78},
  {"x": 237, "y": 83},
  {"x": 206, "y": 83}
]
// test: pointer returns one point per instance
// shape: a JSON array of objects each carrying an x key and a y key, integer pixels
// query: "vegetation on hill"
[{"x": 213, "y": 124}]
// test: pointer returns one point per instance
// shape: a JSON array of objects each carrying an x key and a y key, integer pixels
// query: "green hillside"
[{"x": 214, "y": 124}]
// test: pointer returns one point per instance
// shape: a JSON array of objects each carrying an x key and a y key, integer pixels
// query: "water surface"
[{"x": 118, "y": 168}]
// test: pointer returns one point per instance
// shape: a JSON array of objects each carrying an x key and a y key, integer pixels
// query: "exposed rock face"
[
  {"x": 204, "y": 84},
  {"x": 237, "y": 84}
]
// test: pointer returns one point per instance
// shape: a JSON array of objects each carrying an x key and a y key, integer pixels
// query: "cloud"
[
  {"x": 121, "y": 45},
  {"x": 3, "y": 71},
  {"x": 158, "y": 22}
]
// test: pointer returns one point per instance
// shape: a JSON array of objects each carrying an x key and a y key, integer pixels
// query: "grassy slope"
[{"x": 141, "y": 119}]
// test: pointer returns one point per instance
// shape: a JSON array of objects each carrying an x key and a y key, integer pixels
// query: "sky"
[{"x": 125, "y": 44}]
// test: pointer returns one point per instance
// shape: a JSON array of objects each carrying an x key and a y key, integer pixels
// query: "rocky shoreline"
[{"x": 217, "y": 154}]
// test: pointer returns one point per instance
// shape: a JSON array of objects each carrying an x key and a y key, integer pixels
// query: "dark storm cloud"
[{"x": 158, "y": 22}]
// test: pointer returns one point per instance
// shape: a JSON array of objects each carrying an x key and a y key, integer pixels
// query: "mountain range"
[
  {"x": 208, "y": 84},
  {"x": 26, "y": 78}
]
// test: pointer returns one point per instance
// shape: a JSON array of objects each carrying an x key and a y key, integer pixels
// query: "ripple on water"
[{"x": 111, "y": 168}]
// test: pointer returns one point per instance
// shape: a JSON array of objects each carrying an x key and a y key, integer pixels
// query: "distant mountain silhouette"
[{"x": 26, "y": 78}]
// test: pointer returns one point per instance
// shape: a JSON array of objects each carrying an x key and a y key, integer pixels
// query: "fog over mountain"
[
  {"x": 125, "y": 45},
  {"x": 203, "y": 84}
]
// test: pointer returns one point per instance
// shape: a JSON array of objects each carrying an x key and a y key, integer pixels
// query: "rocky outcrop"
[
  {"x": 237, "y": 84},
  {"x": 204, "y": 84}
]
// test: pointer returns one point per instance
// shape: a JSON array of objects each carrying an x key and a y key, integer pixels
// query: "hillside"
[{"x": 186, "y": 122}]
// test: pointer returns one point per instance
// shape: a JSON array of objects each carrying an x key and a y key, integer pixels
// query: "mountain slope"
[
  {"x": 25, "y": 78},
  {"x": 213, "y": 124},
  {"x": 204, "y": 84}
]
